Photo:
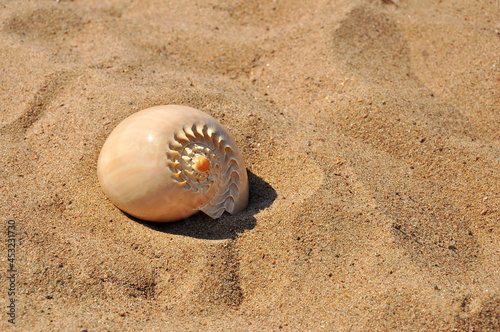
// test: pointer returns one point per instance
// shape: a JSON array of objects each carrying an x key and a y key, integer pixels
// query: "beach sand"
[{"x": 371, "y": 133}]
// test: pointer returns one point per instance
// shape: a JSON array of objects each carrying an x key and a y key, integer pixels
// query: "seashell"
[{"x": 165, "y": 163}]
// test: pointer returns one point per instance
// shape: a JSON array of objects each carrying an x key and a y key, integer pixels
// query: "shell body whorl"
[{"x": 165, "y": 163}]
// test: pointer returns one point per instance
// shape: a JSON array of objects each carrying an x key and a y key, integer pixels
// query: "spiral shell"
[{"x": 165, "y": 163}]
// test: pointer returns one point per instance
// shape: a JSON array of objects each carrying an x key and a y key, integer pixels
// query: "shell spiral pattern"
[
  {"x": 197, "y": 145},
  {"x": 166, "y": 163}
]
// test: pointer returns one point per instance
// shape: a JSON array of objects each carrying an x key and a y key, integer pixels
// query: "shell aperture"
[{"x": 165, "y": 163}]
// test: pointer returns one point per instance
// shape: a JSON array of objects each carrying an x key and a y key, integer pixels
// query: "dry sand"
[{"x": 371, "y": 134}]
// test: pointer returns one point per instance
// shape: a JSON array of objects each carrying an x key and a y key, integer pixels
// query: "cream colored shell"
[{"x": 165, "y": 163}]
